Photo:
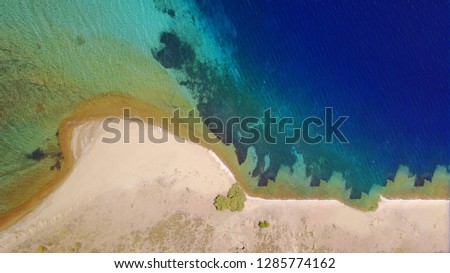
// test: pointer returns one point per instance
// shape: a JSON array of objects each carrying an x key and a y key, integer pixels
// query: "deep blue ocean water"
[{"x": 385, "y": 64}]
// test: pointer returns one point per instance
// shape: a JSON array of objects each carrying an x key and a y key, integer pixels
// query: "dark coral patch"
[
  {"x": 37, "y": 154},
  {"x": 56, "y": 166},
  {"x": 315, "y": 181},
  {"x": 171, "y": 12},
  {"x": 420, "y": 181},
  {"x": 175, "y": 52},
  {"x": 355, "y": 194}
]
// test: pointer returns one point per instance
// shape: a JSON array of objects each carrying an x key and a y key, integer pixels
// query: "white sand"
[{"x": 159, "y": 197}]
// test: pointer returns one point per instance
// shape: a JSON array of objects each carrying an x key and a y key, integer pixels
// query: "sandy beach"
[{"x": 159, "y": 198}]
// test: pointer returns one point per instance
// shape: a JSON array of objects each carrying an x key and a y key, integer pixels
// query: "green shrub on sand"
[
  {"x": 263, "y": 224},
  {"x": 222, "y": 202},
  {"x": 234, "y": 200}
]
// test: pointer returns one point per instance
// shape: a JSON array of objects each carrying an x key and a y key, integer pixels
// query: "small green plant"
[
  {"x": 234, "y": 200},
  {"x": 76, "y": 247},
  {"x": 222, "y": 202},
  {"x": 42, "y": 249},
  {"x": 263, "y": 224}
]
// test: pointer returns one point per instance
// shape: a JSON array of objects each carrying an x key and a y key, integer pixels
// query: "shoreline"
[
  {"x": 87, "y": 72},
  {"x": 78, "y": 119},
  {"x": 84, "y": 113},
  {"x": 174, "y": 185}
]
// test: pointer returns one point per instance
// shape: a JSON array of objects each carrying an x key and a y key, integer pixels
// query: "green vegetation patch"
[
  {"x": 263, "y": 224},
  {"x": 234, "y": 200}
]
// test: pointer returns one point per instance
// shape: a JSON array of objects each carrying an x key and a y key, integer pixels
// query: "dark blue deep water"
[{"x": 385, "y": 64}]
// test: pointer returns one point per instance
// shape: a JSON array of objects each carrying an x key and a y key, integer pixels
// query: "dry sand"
[{"x": 159, "y": 198}]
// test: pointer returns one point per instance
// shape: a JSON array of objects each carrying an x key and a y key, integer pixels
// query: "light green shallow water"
[{"x": 54, "y": 54}]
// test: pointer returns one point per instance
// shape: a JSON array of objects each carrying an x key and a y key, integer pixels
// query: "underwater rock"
[
  {"x": 315, "y": 182},
  {"x": 355, "y": 195},
  {"x": 56, "y": 166},
  {"x": 37, "y": 154},
  {"x": 175, "y": 52},
  {"x": 420, "y": 180},
  {"x": 171, "y": 12}
]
